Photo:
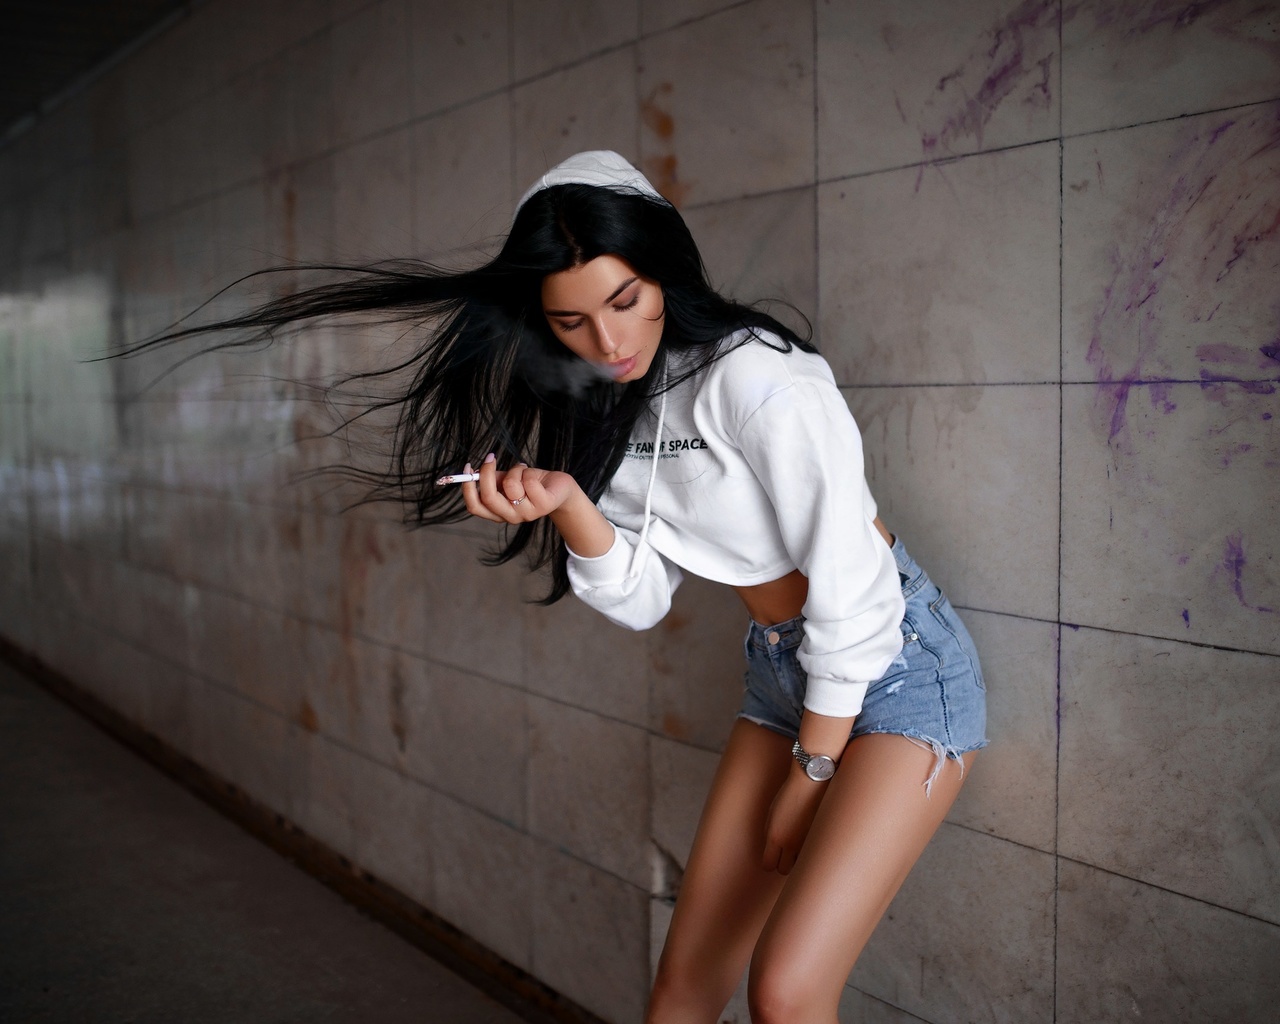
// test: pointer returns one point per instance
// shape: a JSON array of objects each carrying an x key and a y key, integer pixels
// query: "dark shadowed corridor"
[{"x": 125, "y": 898}]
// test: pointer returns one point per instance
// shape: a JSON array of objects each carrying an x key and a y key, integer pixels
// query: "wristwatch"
[{"x": 818, "y": 767}]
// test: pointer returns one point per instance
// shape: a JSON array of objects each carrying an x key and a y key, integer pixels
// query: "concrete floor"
[{"x": 125, "y": 898}]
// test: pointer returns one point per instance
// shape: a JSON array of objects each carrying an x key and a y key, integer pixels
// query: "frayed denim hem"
[{"x": 941, "y": 751}]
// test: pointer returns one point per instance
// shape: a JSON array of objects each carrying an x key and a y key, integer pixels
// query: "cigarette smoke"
[{"x": 554, "y": 372}]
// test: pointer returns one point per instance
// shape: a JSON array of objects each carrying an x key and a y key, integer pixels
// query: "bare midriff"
[{"x": 783, "y": 598}]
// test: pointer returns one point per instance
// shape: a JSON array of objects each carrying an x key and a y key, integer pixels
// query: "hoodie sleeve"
[
  {"x": 630, "y": 584},
  {"x": 805, "y": 449}
]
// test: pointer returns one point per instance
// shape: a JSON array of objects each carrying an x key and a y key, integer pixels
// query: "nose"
[{"x": 604, "y": 339}]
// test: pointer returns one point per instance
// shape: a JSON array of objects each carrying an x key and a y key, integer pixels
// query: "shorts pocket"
[
  {"x": 946, "y": 617},
  {"x": 919, "y": 654}
]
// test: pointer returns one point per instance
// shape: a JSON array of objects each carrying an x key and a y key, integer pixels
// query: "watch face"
[{"x": 820, "y": 768}]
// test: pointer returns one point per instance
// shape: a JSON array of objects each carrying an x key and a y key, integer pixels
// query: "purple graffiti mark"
[
  {"x": 1183, "y": 559},
  {"x": 1162, "y": 397},
  {"x": 1217, "y": 132},
  {"x": 1233, "y": 451},
  {"x": 1213, "y": 218},
  {"x": 1237, "y": 407},
  {"x": 1241, "y": 244},
  {"x": 1223, "y": 353},
  {"x": 1233, "y": 561},
  {"x": 1186, "y": 617},
  {"x": 1233, "y": 565},
  {"x": 1012, "y": 61}
]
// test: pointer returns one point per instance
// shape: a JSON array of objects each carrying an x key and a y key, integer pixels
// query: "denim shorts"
[{"x": 932, "y": 693}]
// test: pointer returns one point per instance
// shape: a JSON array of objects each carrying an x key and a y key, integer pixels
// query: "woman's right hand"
[
  {"x": 520, "y": 494},
  {"x": 523, "y": 494}
]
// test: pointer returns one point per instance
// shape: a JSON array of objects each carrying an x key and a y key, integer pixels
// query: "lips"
[{"x": 622, "y": 367}]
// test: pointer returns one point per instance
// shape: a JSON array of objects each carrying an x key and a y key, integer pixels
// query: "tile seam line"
[
  {"x": 1060, "y": 137},
  {"x": 695, "y": 19},
  {"x": 640, "y": 37},
  {"x": 1172, "y": 892},
  {"x": 1205, "y": 645},
  {"x": 1020, "y": 844},
  {"x": 885, "y": 1002},
  {"x": 1266, "y": 101},
  {"x": 1057, "y": 633}
]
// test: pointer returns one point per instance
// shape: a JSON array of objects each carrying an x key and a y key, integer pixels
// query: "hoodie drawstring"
[{"x": 653, "y": 475}]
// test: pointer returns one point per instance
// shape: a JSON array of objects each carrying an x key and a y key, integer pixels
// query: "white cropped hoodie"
[
  {"x": 759, "y": 471},
  {"x": 749, "y": 469}
]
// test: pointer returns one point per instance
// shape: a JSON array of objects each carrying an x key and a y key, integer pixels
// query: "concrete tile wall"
[{"x": 1038, "y": 245}]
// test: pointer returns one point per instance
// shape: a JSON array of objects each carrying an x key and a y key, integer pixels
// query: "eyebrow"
[{"x": 616, "y": 292}]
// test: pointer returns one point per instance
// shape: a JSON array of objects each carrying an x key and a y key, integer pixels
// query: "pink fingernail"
[
  {"x": 489, "y": 458},
  {"x": 467, "y": 468}
]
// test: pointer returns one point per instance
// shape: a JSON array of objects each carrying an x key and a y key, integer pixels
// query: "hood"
[{"x": 601, "y": 167}]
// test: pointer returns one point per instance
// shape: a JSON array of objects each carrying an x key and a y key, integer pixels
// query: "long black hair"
[{"x": 488, "y": 374}]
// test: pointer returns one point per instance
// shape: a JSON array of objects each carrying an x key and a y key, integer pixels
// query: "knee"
[{"x": 780, "y": 996}]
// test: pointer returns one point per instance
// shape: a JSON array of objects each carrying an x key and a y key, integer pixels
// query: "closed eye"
[{"x": 630, "y": 305}]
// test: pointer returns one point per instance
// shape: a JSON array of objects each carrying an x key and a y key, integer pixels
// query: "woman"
[{"x": 638, "y": 424}]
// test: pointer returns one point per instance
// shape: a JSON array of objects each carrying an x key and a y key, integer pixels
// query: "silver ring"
[{"x": 517, "y": 501}]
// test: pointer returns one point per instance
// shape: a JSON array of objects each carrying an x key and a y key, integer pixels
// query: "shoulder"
[{"x": 753, "y": 368}]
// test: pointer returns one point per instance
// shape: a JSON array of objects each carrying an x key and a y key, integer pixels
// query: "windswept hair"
[{"x": 490, "y": 375}]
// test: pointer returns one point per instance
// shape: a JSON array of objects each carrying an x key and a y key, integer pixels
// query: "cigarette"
[{"x": 458, "y": 478}]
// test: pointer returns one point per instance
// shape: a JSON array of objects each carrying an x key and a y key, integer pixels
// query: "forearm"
[
  {"x": 584, "y": 529},
  {"x": 822, "y": 734}
]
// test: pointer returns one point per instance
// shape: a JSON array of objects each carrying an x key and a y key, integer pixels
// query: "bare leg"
[
  {"x": 726, "y": 895},
  {"x": 871, "y": 828}
]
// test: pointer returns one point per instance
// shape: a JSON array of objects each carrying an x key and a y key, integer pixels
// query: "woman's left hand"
[{"x": 789, "y": 819}]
